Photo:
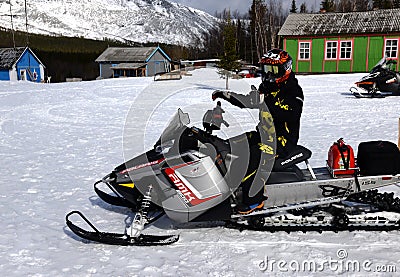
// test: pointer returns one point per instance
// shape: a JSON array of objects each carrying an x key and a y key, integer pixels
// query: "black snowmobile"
[
  {"x": 381, "y": 81},
  {"x": 191, "y": 175}
]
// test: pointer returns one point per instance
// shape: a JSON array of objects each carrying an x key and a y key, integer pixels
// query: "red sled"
[{"x": 341, "y": 159}]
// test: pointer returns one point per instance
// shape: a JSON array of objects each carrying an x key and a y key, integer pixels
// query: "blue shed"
[{"x": 20, "y": 63}]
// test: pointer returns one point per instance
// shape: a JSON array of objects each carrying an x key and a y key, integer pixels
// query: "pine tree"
[
  {"x": 303, "y": 8},
  {"x": 293, "y": 9},
  {"x": 328, "y": 5},
  {"x": 229, "y": 60},
  {"x": 377, "y": 4},
  {"x": 387, "y": 4},
  {"x": 382, "y": 4},
  {"x": 362, "y": 5}
]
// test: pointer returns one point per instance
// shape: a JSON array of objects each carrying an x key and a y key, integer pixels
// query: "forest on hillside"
[{"x": 253, "y": 33}]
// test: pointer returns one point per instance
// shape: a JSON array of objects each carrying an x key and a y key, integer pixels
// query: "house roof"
[
  {"x": 9, "y": 56},
  {"x": 128, "y": 54},
  {"x": 378, "y": 21}
]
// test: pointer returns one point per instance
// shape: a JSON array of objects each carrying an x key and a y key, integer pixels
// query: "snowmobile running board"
[
  {"x": 266, "y": 211},
  {"x": 117, "y": 239}
]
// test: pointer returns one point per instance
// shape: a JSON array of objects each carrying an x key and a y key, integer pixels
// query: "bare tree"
[
  {"x": 258, "y": 15},
  {"x": 276, "y": 18},
  {"x": 345, "y": 6}
]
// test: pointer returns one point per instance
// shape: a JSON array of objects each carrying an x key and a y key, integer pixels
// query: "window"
[
  {"x": 304, "y": 50},
  {"x": 391, "y": 47},
  {"x": 331, "y": 50},
  {"x": 345, "y": 50}
]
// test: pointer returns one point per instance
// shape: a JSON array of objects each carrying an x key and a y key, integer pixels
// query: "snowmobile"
[
  {"x": 191, "y": 175},
  {"x": 381, "y": 81}
]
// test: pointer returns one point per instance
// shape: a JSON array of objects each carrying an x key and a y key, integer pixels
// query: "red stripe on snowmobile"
[
  {"x": 136, "y": 167},
  {"x": 189, "y": 195},
  {"x": 364, "y": 83}
]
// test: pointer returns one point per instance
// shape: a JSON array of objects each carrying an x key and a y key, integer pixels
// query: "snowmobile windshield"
[
  {"x": 381, "y": 62},
  {"x": 177, "y": 123}
]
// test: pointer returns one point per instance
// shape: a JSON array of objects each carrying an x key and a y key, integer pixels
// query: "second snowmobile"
[
  {"x": 381, "y": 81},
  {"x": 192, "y": 175}
]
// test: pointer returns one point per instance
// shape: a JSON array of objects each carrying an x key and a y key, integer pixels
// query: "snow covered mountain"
[{"x": 125, "y": 20}]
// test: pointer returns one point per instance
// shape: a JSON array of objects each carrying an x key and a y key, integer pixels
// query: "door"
[{"x": 22, "y": 74}]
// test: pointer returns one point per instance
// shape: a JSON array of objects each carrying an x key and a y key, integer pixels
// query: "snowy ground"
[{"x": 56, "y": 140}]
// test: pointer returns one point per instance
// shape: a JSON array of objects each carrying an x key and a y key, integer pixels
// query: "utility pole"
[
  {"x": 12, "y": 25},
  {"x": 26, "y": 25}
]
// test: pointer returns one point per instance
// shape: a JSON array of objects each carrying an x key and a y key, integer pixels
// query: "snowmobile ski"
[
  {"x": 366, "y": 94},
  {"x": 118, "y": 239}
]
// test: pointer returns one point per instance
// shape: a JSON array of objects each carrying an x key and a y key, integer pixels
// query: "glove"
[
  {"x": 220, "y": 94},
  {"x": 267, "y": 87}
]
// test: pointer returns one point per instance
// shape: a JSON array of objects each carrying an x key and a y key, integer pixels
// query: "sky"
[{"x": 211, "y": 6}]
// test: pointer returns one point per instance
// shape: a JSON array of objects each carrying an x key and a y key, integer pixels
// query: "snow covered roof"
[
  {"x": 9, "y": 56},
  {"x": 378, "y": 21},
  {"x": 126, "y": 54}
]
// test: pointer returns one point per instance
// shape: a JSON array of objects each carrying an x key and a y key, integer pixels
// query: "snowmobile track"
[{"x": 340, "y": 220}]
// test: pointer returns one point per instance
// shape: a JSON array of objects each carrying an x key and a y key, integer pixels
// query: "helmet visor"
[{"x": 274, "y": 69}]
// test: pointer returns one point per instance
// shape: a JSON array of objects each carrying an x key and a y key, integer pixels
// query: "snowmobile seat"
[
  {"x": 297, "y": 155},
  {"x": 287, "y": 175},
  {"x": 285, "y": 169}
]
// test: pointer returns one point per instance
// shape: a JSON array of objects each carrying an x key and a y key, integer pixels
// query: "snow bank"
[{"x": 56, "y": 140}]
